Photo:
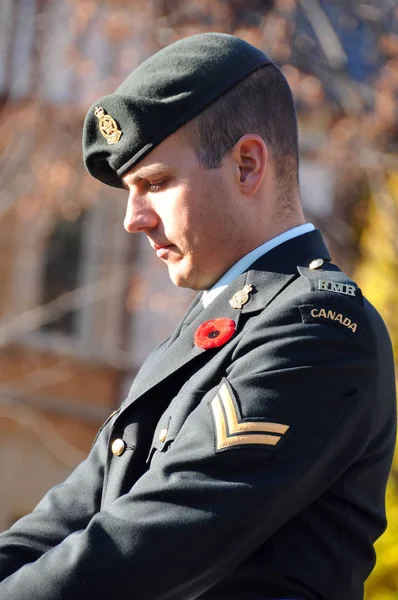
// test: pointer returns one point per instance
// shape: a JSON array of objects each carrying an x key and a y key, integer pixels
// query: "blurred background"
[{"x": 82, "y": 303}]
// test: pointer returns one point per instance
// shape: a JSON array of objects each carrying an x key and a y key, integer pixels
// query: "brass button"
[
  {"x": 163, "y": 435},
  {"x": 118, "y": 447},
  {"x": 316, "y": 264}
]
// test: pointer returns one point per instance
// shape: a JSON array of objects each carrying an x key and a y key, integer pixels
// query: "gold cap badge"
[
  {"x": 107, "y": 126},
  {"x": 241, "y": 297}
]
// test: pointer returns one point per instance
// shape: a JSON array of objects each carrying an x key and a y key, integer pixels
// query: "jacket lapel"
[
  {"x": 147, "y": 368},
  {"x": 268, "y": 276},
  {"x": 182, "y": 349}
]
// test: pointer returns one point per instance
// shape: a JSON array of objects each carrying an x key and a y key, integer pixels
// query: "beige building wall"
[{"x": 30, "y": 463}]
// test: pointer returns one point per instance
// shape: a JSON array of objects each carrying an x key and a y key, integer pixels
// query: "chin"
[
  {"x": 184, "y": 283},
  {"x": 184, "y": 280},
  {"x": 190, "y": 281},
  {"x": 178, "y": 279}
]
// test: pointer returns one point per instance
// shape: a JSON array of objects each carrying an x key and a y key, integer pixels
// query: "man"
[{"x": 251, "y": 456}]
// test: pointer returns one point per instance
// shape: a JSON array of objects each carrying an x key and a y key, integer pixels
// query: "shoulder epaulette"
[{"x": 331, "y": 279}]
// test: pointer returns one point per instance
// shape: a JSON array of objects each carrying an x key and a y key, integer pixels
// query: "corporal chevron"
[{"x": 232, "y": 431}]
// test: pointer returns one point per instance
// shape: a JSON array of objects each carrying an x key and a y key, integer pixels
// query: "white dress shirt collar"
[{"x": 245, "y": 262}]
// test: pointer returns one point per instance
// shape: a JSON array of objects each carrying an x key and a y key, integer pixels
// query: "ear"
[{"x": 250, "y": 155}]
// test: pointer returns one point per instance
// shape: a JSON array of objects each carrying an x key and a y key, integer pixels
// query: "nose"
[{"x": 140, "y": 215}]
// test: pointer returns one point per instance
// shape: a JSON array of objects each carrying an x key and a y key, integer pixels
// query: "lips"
[
  {"x": 157, "y": 247},
  {"x": 162, "y": 249}
]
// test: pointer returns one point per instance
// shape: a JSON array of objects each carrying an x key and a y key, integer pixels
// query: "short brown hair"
[{"x": 261, "y": 103}]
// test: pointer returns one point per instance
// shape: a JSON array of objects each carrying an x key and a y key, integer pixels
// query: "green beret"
[{"x": 158, "y": 97}]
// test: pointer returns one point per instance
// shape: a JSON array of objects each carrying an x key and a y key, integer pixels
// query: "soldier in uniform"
[{"x": 250, "y": 458}]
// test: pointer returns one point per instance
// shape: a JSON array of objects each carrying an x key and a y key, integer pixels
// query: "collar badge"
[
  {"x": 241, "y": 297},
  {"x": 107, "y": 126}
]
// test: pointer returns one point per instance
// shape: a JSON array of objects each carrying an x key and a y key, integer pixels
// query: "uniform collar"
[{"x": 247, "y": 260}]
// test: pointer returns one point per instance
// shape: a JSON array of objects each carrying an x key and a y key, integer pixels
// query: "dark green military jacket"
[{"x": 254, "y": 469}]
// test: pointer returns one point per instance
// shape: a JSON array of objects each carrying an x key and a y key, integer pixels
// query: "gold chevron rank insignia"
[{"x": 231, "y": 430}]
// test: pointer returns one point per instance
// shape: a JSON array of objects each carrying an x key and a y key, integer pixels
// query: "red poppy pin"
[{"x": 214, "y": 333}]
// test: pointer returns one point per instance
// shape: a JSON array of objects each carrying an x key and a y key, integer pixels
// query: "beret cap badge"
[{"x": 107, "y": 126}]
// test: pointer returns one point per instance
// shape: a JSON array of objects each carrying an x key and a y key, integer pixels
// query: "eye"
[{"x": 156, "y": 186}]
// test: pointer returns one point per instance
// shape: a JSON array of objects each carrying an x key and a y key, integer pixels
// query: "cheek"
[
  {"x": 215, "y": 217},
  {"x": 172, "y": 209},
  {"x": 195, "y": 215},
  {"x": 188, "y": 214}
]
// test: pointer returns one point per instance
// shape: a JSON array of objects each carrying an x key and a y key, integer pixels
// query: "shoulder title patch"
[
  {"x": 231, "y": 430},
  {"x": 334, "y": 315},
  {"x": 309, "y": 314}
]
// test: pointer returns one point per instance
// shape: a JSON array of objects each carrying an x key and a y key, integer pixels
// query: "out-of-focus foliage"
[
  {"x": 377, "y": 273},
  {"x": 377, "y": 269}
]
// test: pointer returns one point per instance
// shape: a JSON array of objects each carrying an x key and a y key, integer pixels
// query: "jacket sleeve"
[
  {"x": 225, "y": 484},
  {"x": 66, "y": 508}
]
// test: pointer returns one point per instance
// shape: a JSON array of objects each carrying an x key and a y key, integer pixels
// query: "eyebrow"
[{"x": 149, "y": 171}]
